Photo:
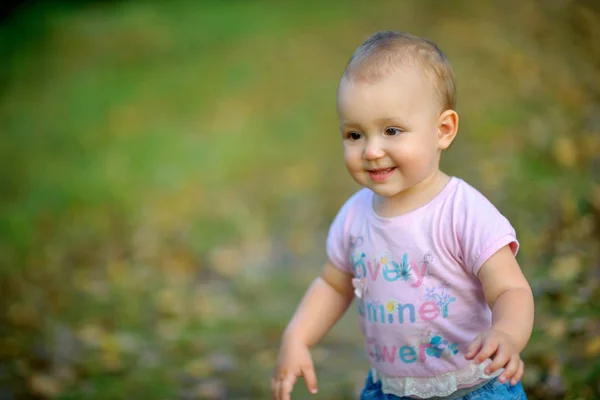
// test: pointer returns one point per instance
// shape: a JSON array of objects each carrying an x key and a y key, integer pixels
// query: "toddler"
[{"x": 442, "y": 303}]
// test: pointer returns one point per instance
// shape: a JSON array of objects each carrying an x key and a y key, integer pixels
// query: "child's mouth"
[{"x": 381, "y": 174}]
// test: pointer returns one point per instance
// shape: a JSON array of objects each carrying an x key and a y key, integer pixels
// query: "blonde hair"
[{"x": 385, "y": 51}]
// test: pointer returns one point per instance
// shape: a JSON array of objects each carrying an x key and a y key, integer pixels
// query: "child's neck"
[{"x": 412, "y": 198}]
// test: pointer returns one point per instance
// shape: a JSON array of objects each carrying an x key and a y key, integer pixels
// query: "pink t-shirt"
[{"x": 419, "y": 299}]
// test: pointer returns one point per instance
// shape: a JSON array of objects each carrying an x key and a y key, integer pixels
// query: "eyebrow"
[
  {"x": 348, "y": 124},
  {"x": 380, "y": 121},
  {"x": 390, "y": 121}
]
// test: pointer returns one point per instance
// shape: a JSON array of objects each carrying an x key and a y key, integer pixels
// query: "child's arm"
[
  {"x": 325, "y": 301},
  {"x": 509, "y": 296}
]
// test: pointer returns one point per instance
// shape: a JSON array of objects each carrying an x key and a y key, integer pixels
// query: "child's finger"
[
  {"x": 510, "y": 369},
  {"x": 286, "y": 386},
  {"x": 310, "y": 378},
  {"x": 488, "y": 348},
  {"x": 274, "y": 388},
  {"x": 501, "y": 358},
  {"x": 474, "y": 347},
  {"x": 519, "y": 374}
]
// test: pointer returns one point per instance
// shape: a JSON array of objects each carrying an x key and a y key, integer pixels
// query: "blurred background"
[{"x": 169, "y": 170}]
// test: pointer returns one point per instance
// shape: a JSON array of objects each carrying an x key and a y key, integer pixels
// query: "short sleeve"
[
  {"x": 338, "y": 239},
  {"x": 482, "y": 230}
]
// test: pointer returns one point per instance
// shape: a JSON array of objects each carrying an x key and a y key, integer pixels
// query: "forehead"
[{"x": 404, "y": 90}]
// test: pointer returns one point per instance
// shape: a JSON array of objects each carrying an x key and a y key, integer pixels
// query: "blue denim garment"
[{"x": 493, "y": 390}]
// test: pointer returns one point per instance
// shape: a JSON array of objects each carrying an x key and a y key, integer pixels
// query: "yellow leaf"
[
  {"x": 91, "y": 334},
  {"x": 565, "y": 268},
  {"x": 592, "y": 347},
  {"x": 591, "y": 144},
  {"x": 112, "y": 361},
  {"x": 568, "y": 206},
  {"x": 117, "y": 271},
  {"x": 44, "y": 385},
  {"x": 565, "y": 151},
  {"x": 198, "y": 368},
  {"x": 226, "y": 260},
  {"x": 23, "y": 315},
  {"x": 170, "y": 302},
  {"x": 109, "y": 343},
  {"x": 556, "y": 328}
]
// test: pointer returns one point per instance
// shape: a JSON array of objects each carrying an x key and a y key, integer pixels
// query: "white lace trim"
[{"x": 434, "y": 386}]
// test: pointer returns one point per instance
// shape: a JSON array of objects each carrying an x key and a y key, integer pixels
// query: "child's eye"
[
  {"x": 354, "y": 135},
  {"x": 393, "y": 131}
]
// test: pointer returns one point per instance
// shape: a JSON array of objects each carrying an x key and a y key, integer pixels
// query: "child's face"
[{"x": 390, "y": 130}]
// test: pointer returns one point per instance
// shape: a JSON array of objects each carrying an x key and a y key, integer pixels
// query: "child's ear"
[{"x": 447, "y": 128}]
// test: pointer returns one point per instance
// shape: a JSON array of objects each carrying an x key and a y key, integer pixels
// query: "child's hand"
[
  {"x": 294, "y": 361},
  {"x": 501, "y": 348}
]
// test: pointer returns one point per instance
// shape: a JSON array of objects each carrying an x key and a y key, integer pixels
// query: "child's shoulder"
[
  {"x": 479, "y": 227},
  {"x": 356, "y": 206},
  {"x": 359, "y": 199},
  {"x": 467, "y": 196},
  {"x": 472, "y": 209}
]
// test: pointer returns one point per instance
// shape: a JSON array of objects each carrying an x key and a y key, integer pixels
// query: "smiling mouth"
[{"x": 381, "y": 174}]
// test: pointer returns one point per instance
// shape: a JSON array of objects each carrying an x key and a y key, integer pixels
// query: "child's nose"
[{"x": 373, "y": 150}]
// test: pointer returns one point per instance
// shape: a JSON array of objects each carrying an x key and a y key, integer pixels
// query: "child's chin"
[{"x": 387, "y": 192}]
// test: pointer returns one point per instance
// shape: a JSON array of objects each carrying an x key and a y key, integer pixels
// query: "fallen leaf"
[
  {"x": 592, "y": 347},
  {"x": 112, "y": 361},
  {"x": 565, "y": 268},
  {"x": 198, "y": 368},
  {"x": 170, "y": 302},
  {"x": 565, "y": 151},
  {"x": 557, "y": 328},
  {"x": 23, "y": 315},
  {"x": 226, "y": 260},
  {"x": 91, "y": 334},
  {"x": 44, "y": 385},
  {"x": 210, "y": 390}
]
